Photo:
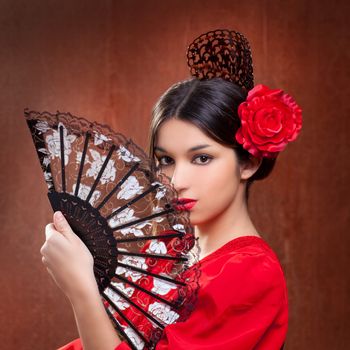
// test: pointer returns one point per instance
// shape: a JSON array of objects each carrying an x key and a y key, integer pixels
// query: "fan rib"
[
  {"x": 104, "y": 165},
  {"x": 62, "y": 160},
  {"x": 82, "y": 161},
  {"x": 101, "y": 261},
  {"x": 150, "y": 317},
  {"x": 155, "y": 296},
  {"x": 120, "y": 227},
  {"x": 96, "y": 239},
  {"x": 106, "y": 199},
  {"x": 99, "y": 271},
  {"x": 168, "y": 279},
  {"x": 137, "y": 198},
  {"x": 142, "y": 238},
  {"x": 120, "y": 328},
  {"x": 155, "y": 256}
]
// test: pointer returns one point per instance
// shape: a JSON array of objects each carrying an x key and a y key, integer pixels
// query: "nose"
[{"x": 179, "y": 178}]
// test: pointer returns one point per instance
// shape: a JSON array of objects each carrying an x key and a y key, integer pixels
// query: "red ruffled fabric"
[{"x": 242, "y": 303}]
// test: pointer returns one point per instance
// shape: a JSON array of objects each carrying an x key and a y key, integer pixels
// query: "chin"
[{"x": 195, "y": 220}]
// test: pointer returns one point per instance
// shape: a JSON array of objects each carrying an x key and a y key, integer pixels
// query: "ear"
[{"x": 249, "y": 168}]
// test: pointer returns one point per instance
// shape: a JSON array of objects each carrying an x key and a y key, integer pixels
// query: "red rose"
[{"x": 269, "y": 120}]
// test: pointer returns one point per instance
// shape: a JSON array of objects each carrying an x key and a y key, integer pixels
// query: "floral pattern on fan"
[
  {"x": 145, "y": 254},
  {"x": 53, "y": 142},
  {"x": 84, "y": 191},
  {"x": 95, "y": 166}
]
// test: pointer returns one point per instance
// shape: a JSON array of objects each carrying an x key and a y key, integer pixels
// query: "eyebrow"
[{"x": 192, "y": 149}]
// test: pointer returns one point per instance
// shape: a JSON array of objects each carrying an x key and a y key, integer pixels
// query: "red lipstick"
[{"x": 184, "y": 203}]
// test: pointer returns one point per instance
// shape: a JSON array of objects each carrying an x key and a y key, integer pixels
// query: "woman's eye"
[
  {"x": 203, "y": 159},
  {"x": 165, "y": 160}
]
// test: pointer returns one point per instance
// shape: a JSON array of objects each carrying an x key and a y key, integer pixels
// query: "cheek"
[
  {"x": 224, "y": 177},
  {"x": 217, "y": 190}
]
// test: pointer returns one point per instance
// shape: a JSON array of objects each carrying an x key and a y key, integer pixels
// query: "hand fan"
[{"x": 110, "y": 192}]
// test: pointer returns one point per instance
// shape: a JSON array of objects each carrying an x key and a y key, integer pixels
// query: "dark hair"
[{"x": 212, "y": 106}]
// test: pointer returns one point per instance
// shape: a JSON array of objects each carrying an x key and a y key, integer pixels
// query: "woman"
[{"x": 213, "y": 139}]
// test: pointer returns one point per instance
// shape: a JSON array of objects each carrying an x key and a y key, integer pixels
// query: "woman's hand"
[
  {"x": 70, "y": 264},
  {"x": 67, "y": 259}
]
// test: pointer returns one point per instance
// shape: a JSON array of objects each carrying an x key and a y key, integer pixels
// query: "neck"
[{"x": 232, "y": 223}]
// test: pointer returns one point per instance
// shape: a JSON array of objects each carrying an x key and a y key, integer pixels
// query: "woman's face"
[{"x": 199, "y": 168}]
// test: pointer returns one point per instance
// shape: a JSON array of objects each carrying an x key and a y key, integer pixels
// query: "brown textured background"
[{"x": 109, "y": 61}]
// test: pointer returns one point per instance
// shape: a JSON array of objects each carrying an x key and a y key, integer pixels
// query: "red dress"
[{"x": 242, "y": 303}]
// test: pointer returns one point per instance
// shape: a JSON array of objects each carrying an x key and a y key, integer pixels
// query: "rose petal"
[{"x": 269, "y": 120}]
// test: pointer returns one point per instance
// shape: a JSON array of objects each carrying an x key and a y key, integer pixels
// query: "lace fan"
[{"x": 123, "y": 211}]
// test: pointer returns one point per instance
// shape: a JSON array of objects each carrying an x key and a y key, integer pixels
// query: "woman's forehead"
[{"x": 175, "y": 133}]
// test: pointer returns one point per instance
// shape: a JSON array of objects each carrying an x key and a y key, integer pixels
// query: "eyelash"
[{"x": 198, "y": 156}]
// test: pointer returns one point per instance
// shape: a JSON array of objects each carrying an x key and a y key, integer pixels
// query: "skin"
[
  {"x": 70, "y": 264},
  {"x": 210, "y": 174}
]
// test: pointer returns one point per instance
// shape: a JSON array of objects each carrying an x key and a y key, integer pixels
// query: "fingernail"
[{"x": 59, "y": 215}]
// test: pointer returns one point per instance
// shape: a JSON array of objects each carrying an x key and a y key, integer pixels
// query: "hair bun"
[{"x": 222, "y": 53}]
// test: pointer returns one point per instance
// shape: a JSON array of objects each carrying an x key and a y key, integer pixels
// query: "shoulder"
[
  {"x": 244, "y": 271},
  {"x": 241, "y": 303}
]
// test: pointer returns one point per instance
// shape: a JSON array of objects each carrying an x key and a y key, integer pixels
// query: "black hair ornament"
[{"x": 222, "y": 53}]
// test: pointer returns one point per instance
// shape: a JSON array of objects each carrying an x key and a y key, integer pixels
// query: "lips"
[{"x": 184, "y": 203}]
